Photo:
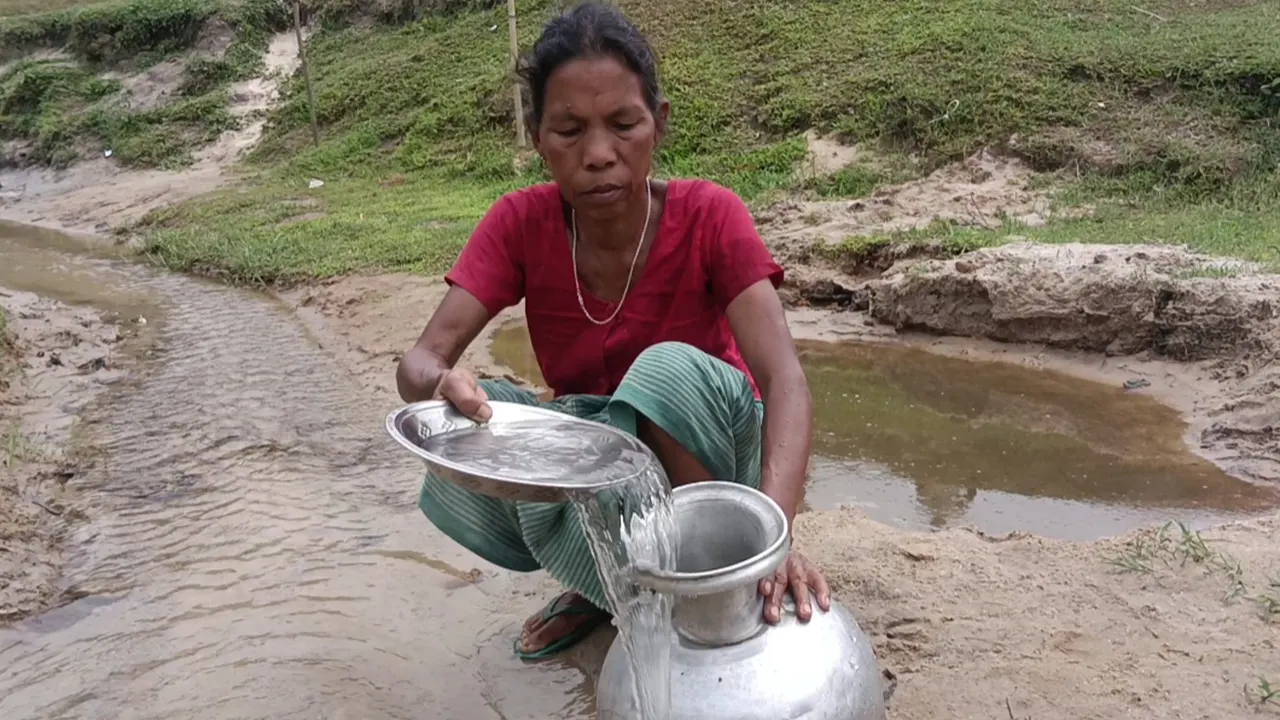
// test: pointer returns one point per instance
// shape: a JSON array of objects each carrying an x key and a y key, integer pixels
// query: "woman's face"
[{"x": 597, "y": 135}]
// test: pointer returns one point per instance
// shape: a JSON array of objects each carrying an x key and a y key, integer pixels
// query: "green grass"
[
  {"x": 1183, "y": 104},
  {"x": 280, "y": 231},
  {"x": 8, "y": 350},
  {"x": 12, "y": 8}
]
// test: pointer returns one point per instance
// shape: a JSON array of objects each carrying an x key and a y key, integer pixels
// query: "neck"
[{"x": 620, "y": 232}]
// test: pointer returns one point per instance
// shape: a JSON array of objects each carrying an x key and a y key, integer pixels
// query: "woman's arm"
[
  {"x": 452, "y": 327},
  {"x": 760, "y": 328},
  {"x": 487, "y": 277}
]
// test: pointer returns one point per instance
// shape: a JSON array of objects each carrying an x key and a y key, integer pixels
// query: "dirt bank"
[
  {"x": 100, "y": 196},
  {"x": 57, "y": 359}
]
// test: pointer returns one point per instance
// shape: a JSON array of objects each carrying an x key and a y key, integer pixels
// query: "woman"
[{"x": 652, "y": 306}]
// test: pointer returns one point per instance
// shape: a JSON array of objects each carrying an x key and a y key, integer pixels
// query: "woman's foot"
[{"x": 560, "y": 625}]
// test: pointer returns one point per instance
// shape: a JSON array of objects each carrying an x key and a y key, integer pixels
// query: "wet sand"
[
  {"x": 238, "y": 517},
  {"x": 966, "y": 620}
]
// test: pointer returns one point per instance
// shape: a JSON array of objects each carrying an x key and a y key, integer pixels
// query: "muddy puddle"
[
  {"x": 252, "y": 547},
  {"x": 921, "y": 441}
]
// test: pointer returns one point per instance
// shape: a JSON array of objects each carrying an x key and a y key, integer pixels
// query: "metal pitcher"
[{"x": 726, "y": 662}]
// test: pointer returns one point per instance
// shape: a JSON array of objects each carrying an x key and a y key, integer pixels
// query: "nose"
[{"x": 599, "y": 152}]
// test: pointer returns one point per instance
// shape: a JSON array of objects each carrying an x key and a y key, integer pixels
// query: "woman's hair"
[{"x": 590, "y": 29}]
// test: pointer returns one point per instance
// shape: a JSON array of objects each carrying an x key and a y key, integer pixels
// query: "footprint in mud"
[{"x": 901, "y": 643}]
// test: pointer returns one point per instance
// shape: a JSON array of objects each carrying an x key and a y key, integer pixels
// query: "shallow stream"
[{"x": 253, "y": 548}]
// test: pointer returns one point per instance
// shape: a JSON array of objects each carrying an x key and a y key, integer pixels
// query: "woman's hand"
[
  {"x": 803, "y": 580},
  {"x": 463, "y": 391}
]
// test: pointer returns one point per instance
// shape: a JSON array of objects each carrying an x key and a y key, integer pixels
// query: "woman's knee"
[
  {"x": 667, "y": 364},
  {"x": 671, "y": 353}
]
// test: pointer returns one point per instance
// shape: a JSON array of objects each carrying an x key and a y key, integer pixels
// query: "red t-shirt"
[{"x": 705, "y": 253}]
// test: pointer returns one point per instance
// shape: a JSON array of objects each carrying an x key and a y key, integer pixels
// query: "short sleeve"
[
  {"x": 490, "y": 266},
  {"x": 737, "y": 257}
]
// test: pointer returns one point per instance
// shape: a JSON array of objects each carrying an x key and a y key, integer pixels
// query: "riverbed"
[{"x": 246, "y": 542}]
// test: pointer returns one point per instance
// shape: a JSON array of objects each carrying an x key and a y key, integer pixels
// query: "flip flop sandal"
[{"x": 558, "y": 608}]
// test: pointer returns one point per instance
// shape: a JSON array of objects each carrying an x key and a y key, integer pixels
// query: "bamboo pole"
[
  {"x": 521, "y": 140},
  {"x": 306, "y": 71}
]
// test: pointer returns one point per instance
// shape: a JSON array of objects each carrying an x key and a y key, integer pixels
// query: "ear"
[
  {"x": 536, "y": 139},
  {"x": 660, "y": 120}
]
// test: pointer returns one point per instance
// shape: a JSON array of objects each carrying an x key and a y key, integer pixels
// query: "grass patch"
[
  {"x": 1093, "y": 85},
  {"x": 13, "y": 8},
  {"x": 1186, "y": 102},
  {"x": 65, "y": 107},
  {"x": 279, "y": 231},
  {"x": 8, "y": 350}
]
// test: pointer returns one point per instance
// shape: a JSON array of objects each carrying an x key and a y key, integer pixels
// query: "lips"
[{"x": 602, "y": 194}]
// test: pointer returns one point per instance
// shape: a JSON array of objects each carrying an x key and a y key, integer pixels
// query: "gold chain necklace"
[{"x": 577, "y": 282}]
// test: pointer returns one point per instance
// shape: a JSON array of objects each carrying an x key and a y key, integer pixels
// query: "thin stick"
[
  {"x": 306, "y": 70},
  {"x": 1148, "y": 13},
  {"x": 515, "y": 58}
]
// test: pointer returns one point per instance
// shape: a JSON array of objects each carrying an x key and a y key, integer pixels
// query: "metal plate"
[{"x": 522, "y": 453}]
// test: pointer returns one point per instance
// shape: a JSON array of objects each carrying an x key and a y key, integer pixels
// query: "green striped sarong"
[{"x": 702, "y": 402}]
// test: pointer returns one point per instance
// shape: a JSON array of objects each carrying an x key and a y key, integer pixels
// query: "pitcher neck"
[{"x": 720, "y": 619}]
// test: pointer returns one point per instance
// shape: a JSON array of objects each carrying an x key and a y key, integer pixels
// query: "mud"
[
  {"x": 985, "y": 190},
  {"x": 1021, "y": 627},
  {"x": 161, "y": 83},
  {"x": 56, "y": 359},
  {"x": 100, "y": 196},
  {"x": 1008, "y": 449}
]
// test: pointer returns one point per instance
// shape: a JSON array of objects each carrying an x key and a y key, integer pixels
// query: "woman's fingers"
[
  {"x": 805, "y": 583},
  {"x": 484, "y": 412},
  {"x": 820, "y": 588},
  {"x": 462, "y": 389},
  {"x": 773, "y": 603},
  {"x": 797, "y": 577}
]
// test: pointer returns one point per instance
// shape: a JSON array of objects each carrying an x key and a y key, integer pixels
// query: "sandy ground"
[
  {"x": 1154, "y": 625},
  {"x": 969, "y": 623},
  {"x": 56, "y": 360}
]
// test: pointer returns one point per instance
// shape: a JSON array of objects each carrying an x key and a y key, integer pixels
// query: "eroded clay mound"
[{"x": 1113, "y": 299}]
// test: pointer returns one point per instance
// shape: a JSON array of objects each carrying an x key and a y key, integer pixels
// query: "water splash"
[{"x": 630, "y": 527}]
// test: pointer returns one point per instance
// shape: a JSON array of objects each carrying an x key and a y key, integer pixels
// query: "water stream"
[
  {"x": 253, "y": 548},
  {"x": 629, "y": 527}
]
